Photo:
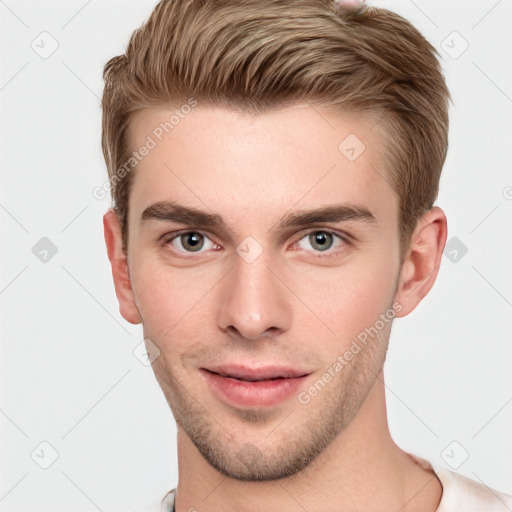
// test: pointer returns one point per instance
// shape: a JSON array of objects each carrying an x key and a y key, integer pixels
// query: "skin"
[{"x": 289, "y": 306}]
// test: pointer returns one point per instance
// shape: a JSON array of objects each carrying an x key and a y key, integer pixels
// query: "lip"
[
  {"x": 254, "y": 373},
  {"x": 244, "y": 386}
]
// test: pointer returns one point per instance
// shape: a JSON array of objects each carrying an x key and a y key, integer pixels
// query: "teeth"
[
  {"x": 256, "y": 380},
  {"x": 247, "y": 380}
]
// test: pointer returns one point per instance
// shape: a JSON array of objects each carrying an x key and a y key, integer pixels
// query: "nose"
[{"x": 252, "y": 302}]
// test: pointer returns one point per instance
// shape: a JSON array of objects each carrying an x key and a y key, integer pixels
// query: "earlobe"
[
  {"x": 119, "y": 264},
  {"x": 422, "y": 260}
]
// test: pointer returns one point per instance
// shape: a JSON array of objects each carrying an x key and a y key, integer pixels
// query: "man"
[{"x": 274, "y": 167}]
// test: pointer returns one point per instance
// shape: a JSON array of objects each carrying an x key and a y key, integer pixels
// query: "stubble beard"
[{"x": 276, "y": 451}]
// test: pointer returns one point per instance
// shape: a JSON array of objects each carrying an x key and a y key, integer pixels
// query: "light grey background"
[{"x": 68, "y": 373}]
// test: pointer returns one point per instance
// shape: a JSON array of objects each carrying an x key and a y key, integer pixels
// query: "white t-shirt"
[{"x": 460, "y": 494}]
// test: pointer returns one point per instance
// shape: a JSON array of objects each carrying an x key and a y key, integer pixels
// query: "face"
[{"x": 261, "y": 254}]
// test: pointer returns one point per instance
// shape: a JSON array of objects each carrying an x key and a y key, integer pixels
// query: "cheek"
[
  {"x": 349, "y": 299},
  {"x": 170, "y": 301}
]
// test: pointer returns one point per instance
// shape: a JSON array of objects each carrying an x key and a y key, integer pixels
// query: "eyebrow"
[{"x": 169, "y": 211}]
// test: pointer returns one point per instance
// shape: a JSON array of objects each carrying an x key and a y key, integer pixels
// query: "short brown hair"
[{"x": 256, "y": 55}]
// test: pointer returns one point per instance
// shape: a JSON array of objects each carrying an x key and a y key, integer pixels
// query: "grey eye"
[
  {"x": 321, "y": 240},
  {"x": 192, "y": 242}
]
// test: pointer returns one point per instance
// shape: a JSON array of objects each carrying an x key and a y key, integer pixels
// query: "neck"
[{"x": 361, "y": 469}]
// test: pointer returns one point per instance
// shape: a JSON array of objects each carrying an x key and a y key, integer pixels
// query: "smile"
[{"x": 263, "y": 388}]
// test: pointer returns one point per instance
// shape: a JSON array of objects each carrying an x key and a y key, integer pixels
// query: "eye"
[
  {"x": 321, "y": 241},
  {"x": 190, "y": 241}
]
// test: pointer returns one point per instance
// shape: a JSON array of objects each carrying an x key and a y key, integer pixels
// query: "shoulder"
[
  {"x": 465, "y": 495},
  {"x": 461, "y": 493},
  {"x": 163, "y": 505}
]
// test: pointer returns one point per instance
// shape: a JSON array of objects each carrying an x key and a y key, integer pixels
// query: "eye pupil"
[
  {"x": 321, "y": 240},
  {"x": 192, "y": 241}
]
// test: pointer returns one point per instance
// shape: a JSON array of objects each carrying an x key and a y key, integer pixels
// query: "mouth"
[
  {"x": 258, "y": 375},
  {"x": 258, "y": 386}
]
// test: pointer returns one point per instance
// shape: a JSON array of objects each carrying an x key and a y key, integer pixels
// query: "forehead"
[{"x": 256, "y": 167}]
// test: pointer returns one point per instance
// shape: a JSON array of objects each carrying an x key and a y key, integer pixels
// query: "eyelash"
[{"x": 329, "y": 253}]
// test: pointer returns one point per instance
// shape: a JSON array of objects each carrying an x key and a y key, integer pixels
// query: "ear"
[
  {"x": 119, "y": 262},
  {"x": 422, "y": 260}
]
